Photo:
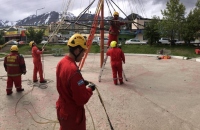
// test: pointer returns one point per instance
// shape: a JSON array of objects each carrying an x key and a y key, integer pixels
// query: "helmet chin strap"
[{"x": 76, "y": 56}]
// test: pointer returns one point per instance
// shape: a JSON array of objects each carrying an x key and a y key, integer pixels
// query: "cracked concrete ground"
[{"x": 159, "y": 95}]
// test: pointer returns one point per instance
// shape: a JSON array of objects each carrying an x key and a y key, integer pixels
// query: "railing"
[{"x": 57, "y": 51}]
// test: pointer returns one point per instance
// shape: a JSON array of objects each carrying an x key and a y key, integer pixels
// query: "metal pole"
[
  {"x": 38, "y": 9},
  {"x": 102, "y": 34}
]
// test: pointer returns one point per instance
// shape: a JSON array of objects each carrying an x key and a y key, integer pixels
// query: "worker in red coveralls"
[
  {"x": 74, "y": 91},
  {"x": 15, "y": 66},
  {"x": 36, "y": 54},
  {"x": 114, "y": 30},
  {"x": 116, "y": 56}
]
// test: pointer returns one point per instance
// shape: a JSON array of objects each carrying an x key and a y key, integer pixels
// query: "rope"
[
  {"x": 29, "y": 103},
  {"x": 91, "y": 116}
]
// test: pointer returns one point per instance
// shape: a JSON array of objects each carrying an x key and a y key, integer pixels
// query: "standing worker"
[
  {"x": 117, "y": 56},
  {"x": 73, "y": 93},
  {"x": 36, "y": 54},
  {"x": 114, "y": 29},
  {"x": 15, "y": 66}
]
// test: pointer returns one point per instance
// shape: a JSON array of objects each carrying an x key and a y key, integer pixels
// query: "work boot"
[
  {"x": 9, "y": 93},
  {"x": 20, "y": 90},
  {"x": 122, "y": 82},
  {"x": 35, "y": 81},
  {"x": 44, "y": 81}
]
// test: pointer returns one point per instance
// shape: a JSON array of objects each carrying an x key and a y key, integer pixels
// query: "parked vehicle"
[
  {"x": 44, "y": 42},
  {"x": 97, "y": 40},
  {"x": 179, "y": 42},
  {"x": 135, "y": 41},
  {"x": 195, "y": 43},
  {"x": 12, "y": 42},
  {"x": 164, "y": 41}
]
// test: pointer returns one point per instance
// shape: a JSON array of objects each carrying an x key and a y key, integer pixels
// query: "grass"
[{"x": 178, "y": 50}]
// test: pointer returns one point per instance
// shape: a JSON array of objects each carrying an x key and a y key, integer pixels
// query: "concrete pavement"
[{"x": 159, "y": 95}]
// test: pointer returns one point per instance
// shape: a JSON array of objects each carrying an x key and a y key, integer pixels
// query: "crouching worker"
[
  {"x": 15, "y": 66},
  {"x": 163, "y": 57},
  {"x": 74, "y": 91},
  {"x": 116, "y": 58}
]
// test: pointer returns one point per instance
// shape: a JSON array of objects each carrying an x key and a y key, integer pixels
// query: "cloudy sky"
[{"x": 14, "y": 10}]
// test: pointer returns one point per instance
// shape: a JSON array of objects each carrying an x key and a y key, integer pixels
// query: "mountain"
[
  {"x": 45, "y": 18},
  {"x": 54, "y": 16},
  {"x": 6, "y": 23}
]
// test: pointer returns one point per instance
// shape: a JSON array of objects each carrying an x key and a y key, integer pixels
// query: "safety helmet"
[
  {"x": 77, "y": 39},
  {"x": 14, "y": 48},
  {"x": 31, "y": 43},
  {"x": 113, "y": 44},
  {"x": 115, "y": 13}
]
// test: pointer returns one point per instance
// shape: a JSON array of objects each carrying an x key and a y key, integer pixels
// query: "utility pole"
[{"x": 36, "y": 13}]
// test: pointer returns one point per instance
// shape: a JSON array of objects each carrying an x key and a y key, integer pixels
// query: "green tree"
[
  {"x": 151, "y": 30},
  {"x": 1, "y": 39},
  {"x": 191, "y": 25},
  {"x": 34, "y": 35},
  {"x": 173, "y": 17}
]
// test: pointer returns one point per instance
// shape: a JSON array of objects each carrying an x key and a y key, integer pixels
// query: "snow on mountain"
[
  {"x": 7, "y": 23},
  {"x": 53, "y": 16}
]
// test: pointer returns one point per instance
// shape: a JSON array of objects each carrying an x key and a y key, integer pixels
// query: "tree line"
[{"x": 174, "y": 24}]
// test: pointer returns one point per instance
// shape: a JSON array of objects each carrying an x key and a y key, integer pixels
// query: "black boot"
[{"x": 20, "y": 90}]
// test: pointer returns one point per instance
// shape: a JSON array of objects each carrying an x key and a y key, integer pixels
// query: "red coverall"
[
  {"x": 14, "y": 65},
  {"x": 114, "y": 31},
  {"x": 116, "y": 58},
  {"x": 73, "y": 94},
  {"x": 37, "y": 63}
]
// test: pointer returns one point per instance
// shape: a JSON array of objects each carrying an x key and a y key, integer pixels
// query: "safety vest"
[{"x": 13, "y": 63}]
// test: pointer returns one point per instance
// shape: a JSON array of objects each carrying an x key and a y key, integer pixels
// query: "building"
[
  {"x": 138, "y": 27},
  {"x": 15, "y": 33}
]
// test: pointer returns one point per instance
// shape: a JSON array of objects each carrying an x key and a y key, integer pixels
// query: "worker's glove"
[
  {"x": 86, "y": 82},
  {"x": 92, "y": 86}
]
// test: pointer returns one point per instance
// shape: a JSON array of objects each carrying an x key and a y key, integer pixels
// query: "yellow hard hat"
[
  {"x": 115, "y": 13},
  {"x": 31, "y": 43},
  {"x": 113, "y": 44},
  {"x": 77, "y": 39},
  {"x": 14, "y": 48}
]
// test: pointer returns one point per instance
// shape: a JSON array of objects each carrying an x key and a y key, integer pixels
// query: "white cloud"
[{"x": 14, "y": 10}]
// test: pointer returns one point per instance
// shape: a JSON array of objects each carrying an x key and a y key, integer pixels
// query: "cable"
[{"x": 101, "y": 100}]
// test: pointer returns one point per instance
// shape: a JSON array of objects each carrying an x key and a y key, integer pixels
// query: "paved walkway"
[{"x": 159, "y": 95}]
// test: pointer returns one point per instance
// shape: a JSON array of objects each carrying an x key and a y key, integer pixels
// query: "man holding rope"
[
  {"x": 36, "y": 54},
  {"x": 73, "y": 93}
]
